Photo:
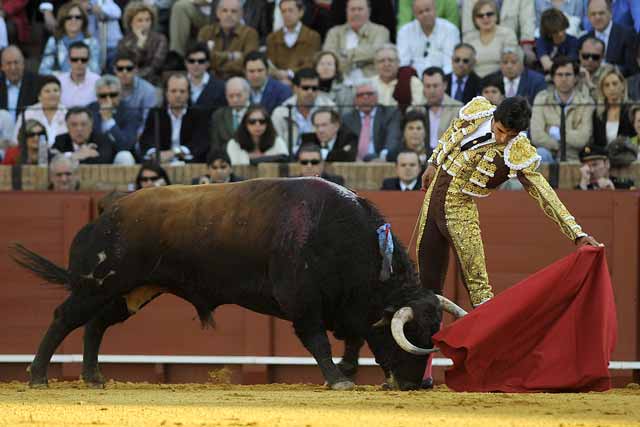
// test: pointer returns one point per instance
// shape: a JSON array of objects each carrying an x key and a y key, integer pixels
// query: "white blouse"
[
  {"x": 239, "y": 156},
  {"x": 612, "y": 130},
  {"x": 56, "y": 127}
]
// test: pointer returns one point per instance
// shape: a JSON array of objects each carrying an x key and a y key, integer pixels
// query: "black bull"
[{"x": 303, "y": 250}]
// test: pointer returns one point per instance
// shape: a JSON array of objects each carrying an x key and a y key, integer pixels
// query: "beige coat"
[
  {"x": 579, "y": 125},
  {"x": 385, "y": 91},
  {"x": 519, "y": 15},
  {"x": 370, "y": 37},
  {"x": 488, "y": 55}
]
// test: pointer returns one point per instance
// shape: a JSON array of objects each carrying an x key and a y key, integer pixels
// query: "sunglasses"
[
  {"x": 197, "y": 61},
  {"x": 32, "y": 134},
  {"x": 485, "y": 15},
  {"x": 463, "y": 60},
  {"x": 591, "y": 56},
  {"x": 78, "y": 59},
  {"x": 149, "y": 178},
  {"x": 257, "y": 121},
  {"x": 311, "y": 88},
  {"x": 108, "y": 95},
  {"x": 61, "y": 174},
  {"x": 127, "y": 68},
  {"x": 76, "y": 17},
  {"x": 310, "y": 162}
]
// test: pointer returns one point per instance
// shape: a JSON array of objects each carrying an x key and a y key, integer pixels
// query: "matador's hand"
[
  {"x": 427, "y": 177},
  {"x": 587, "y": 241}
]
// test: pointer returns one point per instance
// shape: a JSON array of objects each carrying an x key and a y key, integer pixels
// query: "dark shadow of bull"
[{"x": 304, "y": 250}]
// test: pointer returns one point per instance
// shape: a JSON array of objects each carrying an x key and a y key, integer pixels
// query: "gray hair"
[
  {"x": 365, "y": 82},
  {"x": 108, "y": 80},
  {"x": 387, "y": 46},
  {"x": 243, "y": 82},
  {"x": 513, "y": 50},
  {"x": 60, "y": 159}
]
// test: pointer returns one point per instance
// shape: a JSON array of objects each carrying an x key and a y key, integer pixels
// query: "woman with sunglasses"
[
  {"x": 256, "y": 139},
  {"x": 151, "y": 175},
  {"x": 488, "y": 38},
  {"x": 149, "y": 48},
  {"x": 27, "y": 150},
  {"x": 72, "y": 26}
]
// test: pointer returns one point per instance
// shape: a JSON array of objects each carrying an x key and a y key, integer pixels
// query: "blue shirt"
[
  {"x": 142, "y": 97},
  {"x": 13, "y": 93},
  {"x": 569, "y": 47}
]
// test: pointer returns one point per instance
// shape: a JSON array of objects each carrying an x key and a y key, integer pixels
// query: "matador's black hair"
[{"x": 514, "y": 113}]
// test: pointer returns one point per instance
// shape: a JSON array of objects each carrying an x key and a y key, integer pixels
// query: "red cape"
[{"x": 553, "y": 331}]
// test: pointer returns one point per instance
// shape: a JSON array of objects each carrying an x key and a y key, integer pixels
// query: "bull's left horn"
[
  {"x": 402, "y": 316},
  {"x": 451, "y": 307}
]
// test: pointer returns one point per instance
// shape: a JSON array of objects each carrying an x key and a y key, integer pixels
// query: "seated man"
[
  {"x": 311, "y": 163},
  {"x": 81, "y": 143},
  {"x": 115, "y": 120},
  {"x": 393, "y": 87},
  {"x": 219, "y": 171},
  {"x": 63, "y": 174},
  {"x": 595, "y": 171},
  {"x": 407, "y": 171},
  {"x": 77, "y": 85},
  {"x": 207, "y": 92},
  {"x": 337, "y": 143},
  {"x": 226, "y": 120},
  {"x": 178, "y": 131},
  {"x": 516, "y": 78},
  {"x": 265, "y": 90}
]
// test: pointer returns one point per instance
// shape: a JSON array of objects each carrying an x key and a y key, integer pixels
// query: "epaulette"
[
  {"x": 520, "y": 154},
  {"x": 477, "y": 108}
]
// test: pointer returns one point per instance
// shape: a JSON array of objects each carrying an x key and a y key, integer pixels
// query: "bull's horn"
[
  {"x": 451, "y": 307},
  {"x": 402, "y": 316}
]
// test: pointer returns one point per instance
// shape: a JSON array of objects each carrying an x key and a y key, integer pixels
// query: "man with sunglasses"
[
  {"x": 591, "y": 57},
  {"x": 463, "y": 82},
  {"x": 77, "y": 85},
  {"x": 207, "y": 92},
  {"x": 312, "y": 164}
]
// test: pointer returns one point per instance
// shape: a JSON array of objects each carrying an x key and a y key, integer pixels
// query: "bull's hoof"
[
  {"x": 95, "y": 380},
  {"x": 348, "y": 369},
  {"x": 95, "y": 384},
  {"x": 343, "y": 385},
  {"x": 39, "y": 383}
]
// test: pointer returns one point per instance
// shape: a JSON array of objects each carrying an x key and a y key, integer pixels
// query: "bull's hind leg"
[{"x": 75, "y": 311}]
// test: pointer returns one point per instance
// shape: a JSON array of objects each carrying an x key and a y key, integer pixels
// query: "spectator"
[
  {"x": 312, "y": 164},
  {"x": 220, "y": 169},
  {"x": 378, "y": 126},
  {"x": 187, "y": 17},
  {"x": 356, "y": 41},
  {"x": 147, "y": 48},
  {"x": 489, "y": 38},
  {"x": 414, "y": 136},
  {"x": 623, "y": 12},
  {"x": 445, "y": 9},
  {"x": 151, "y": 175},
  {"x": 27, "y": 151},
  {"x": 294, "y": 45},
  {"x": 595, "y": 171},
  {"x": 48, "y": 110},
  {"x": 7, "y": 131},
  {"x": 463, "y": 82},
  {"x": 72, "y": 26},
  {"x": 18, "y": 88},
  {"x": 207, "y": 92},
  {"x": 518, "y": 80},
  {"x": 515, "y": 15},
  {"x": 619, "y": 41},
  {"x": 181, "y": 130},
  {"x": 256, "y": 139},
  {"x": 81, "y": 143},
  {"x": 573, "y": 10},
  {"x": 105, "y": 13},
  {"x": 63, "y": 174},
  {"x": 228, "y": 39},
  {"x": 115, "y": 120},
  {"x": 554, "y": 40},
  {"x": 591, "y": 56},
  {"x": 331, "y": 82},
  {"x": 336, "y": 143},
  {"x": 427, "y": 41},
  {"x": 393, "y": 87},
  {"x": 545, "y": 121},
  {"x": 225, "y": 121},
  {"x": 265, "y": 90},
  {"x": 611, "y": 117},
  {"x": 305, "y": 98},
  {"x": 407, "y": 173},
  {"x": 136, "y": 93},
  {"x": 492, "y": 88},
  {"x": 634, "y": 117},
  {"x": 76, "y": 86}
]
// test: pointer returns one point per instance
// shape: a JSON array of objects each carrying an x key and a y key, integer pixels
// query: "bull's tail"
[{"x": 40, "y": 266}]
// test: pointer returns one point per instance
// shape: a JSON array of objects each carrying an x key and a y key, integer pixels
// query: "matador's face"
[{"x": 502, "y": 133}]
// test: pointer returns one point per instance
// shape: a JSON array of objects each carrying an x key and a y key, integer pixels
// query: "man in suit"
[
  {"x": 207, "y": 92},
  {"x": 407, "y": 171},
  {"x": 378, "y": 126},
  {"x": 181, "y": 131},
  {"x": 591, "y": 56},
  {"x": 312, "y": 164},
  {"x": 463, "y": 83},
  {"x": 225, "y": 121},
  {"x": 81, "y": 142},
  {"x": 18, "y": 88},
  {"x": 265, "y": 90},
  {"x": 620, "y": 42},
  {"x": 336, "y": 142},
  {"x": 516, "y": 78}
]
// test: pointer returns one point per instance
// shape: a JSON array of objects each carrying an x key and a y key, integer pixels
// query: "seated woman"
[
  {"x": 327, "y": 66},
  {"x": 151, "y": 174},
  {"x": 414, "y": 136},
  {"x": 72, "y": 26},
  {"x": 256, "y": 139},
  {"x": 554, "y": 40},
  {"x": 27, "y": 151},
  {"x": 611, "y": 117}
]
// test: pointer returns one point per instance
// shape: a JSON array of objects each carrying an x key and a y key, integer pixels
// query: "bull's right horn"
[
  {"x": 402, "y": 316},
  {"x": 451, "y": 307}
]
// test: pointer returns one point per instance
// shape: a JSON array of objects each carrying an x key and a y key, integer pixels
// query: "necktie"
[
  {"x": 365, "y": 136},
  {"x": 458, "y": 94},
  {"x": 512, "y": 89}
]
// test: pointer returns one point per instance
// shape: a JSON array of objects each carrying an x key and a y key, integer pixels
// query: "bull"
[{"x": 304, "y": 250}]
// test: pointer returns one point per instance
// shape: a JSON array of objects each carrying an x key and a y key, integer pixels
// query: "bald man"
[{"x": 18, "y": 88}]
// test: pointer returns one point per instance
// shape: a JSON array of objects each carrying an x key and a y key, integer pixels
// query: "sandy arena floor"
[{"x": 129, "y": 404}]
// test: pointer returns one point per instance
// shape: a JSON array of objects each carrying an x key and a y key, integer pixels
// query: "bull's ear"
[{"x": 387, "y": 315}]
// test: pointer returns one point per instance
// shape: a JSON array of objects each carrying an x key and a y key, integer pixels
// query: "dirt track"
[{"x": 128, "y": 404}]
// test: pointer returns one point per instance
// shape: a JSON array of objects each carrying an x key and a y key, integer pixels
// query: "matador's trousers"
[{"x": 449, "y": 219}]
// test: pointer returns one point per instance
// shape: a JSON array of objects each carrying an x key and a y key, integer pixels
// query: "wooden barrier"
[{"x": 519, "y": 240}]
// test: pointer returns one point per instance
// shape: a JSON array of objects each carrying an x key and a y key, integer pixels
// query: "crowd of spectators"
[{"x": 232, "y": 82}]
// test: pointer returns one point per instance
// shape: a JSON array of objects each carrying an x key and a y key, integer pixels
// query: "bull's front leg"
[
  {"x": 317, "y": 343},
  {"x": 349, "y": 363}
]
